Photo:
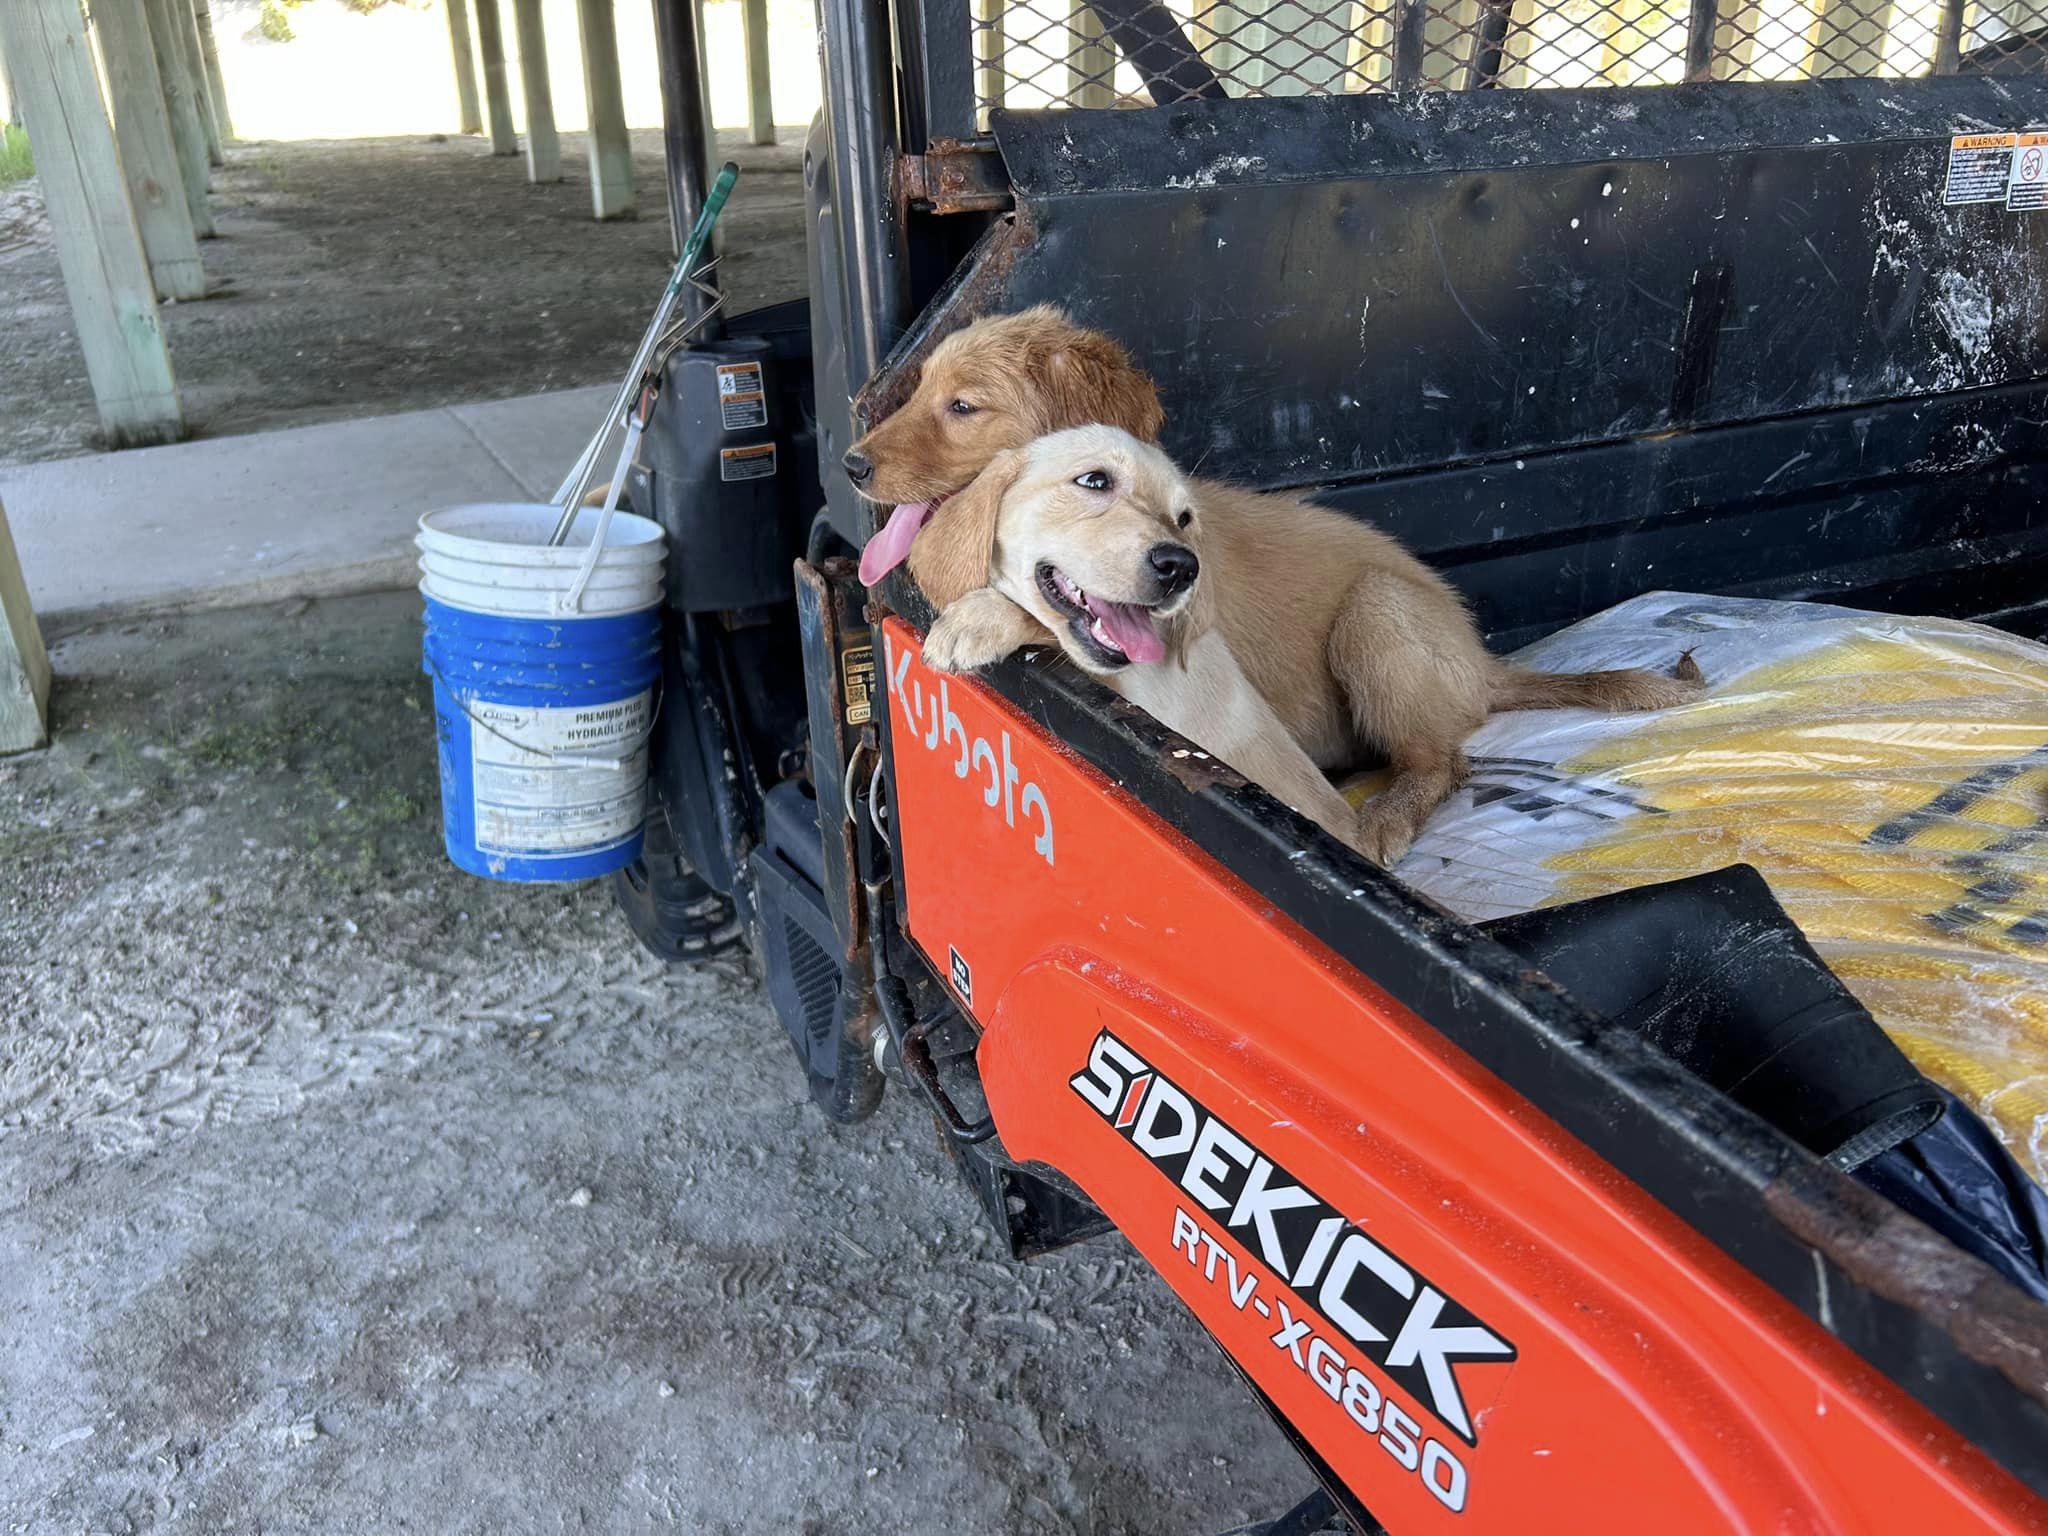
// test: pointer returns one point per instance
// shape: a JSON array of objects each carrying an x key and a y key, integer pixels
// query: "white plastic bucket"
[{"x": 494, "y": 557}]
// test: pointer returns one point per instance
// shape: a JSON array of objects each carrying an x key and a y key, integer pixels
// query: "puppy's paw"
[
  {"x": 950, "y": 648},
  {"x": 1384, "y": 832},
  {"x": 977, "y": 631}
]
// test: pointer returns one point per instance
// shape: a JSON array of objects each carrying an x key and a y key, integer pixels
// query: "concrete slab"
[
  {"x": 534, "y": 439},
  {"x": 310, "y": 511}
]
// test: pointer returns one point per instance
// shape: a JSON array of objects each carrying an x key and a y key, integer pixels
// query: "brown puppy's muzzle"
[{"x": 892, "y": 462}]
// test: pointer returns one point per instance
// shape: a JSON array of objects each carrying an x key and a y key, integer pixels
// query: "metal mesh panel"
[
  {"x": 2006, "y": 37},
  {"x": 1130, "y": 53},
  {"x": 1824, "y": 39}
]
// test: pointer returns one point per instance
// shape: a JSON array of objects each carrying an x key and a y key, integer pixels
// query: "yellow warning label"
[
  {"x": 755, "y": 463},
  {"x": 742, "y": 401},
  {"x": 1979, "y": 165}
]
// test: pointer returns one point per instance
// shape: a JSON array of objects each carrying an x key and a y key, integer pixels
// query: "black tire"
[{"x": 668, "y": 905}]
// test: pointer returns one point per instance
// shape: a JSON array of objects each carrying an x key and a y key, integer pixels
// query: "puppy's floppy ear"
[
  {"x": 1087, "y": 377},
  {"x": 953, "y": 556}
]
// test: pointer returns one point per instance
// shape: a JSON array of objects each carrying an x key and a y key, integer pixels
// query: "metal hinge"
[{"x": 953, "y": 176}]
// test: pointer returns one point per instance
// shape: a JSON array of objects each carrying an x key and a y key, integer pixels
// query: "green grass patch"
[{"x": 17, "y": 161}]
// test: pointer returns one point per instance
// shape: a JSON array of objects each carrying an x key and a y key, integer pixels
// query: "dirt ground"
[
  {"x": 359, "y": 277},
  {"x": 342, "y": 1192}
]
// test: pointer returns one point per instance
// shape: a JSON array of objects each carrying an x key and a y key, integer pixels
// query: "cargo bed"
[{"x": 1572, "y": 347}]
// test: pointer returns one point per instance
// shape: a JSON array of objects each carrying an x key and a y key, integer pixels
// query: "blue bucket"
[{"x": 543, "y": 717}]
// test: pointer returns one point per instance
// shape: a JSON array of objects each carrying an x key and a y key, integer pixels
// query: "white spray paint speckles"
[
  {"x": 1222, "y": 165},
  {"x": 1963, "y": 305}
]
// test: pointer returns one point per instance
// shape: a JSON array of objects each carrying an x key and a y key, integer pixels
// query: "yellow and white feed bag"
[{"x": 1888, "y": 776}]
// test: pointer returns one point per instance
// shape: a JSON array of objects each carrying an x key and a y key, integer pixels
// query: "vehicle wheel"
[{"x": 668, "y": 905}]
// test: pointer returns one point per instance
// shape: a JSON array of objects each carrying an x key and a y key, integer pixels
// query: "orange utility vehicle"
[{"x": 1495, "y": 1260}]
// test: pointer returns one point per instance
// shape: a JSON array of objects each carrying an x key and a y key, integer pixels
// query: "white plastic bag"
[{"x": 1888, "y": 776}]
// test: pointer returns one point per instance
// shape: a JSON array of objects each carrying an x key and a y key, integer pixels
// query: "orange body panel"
[{"x": 1653, "y": 1384}]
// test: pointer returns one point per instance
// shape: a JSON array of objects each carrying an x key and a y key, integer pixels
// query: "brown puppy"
[
  {"x": 997, "y": 384},
  {"x": 1358, "y": 646}
]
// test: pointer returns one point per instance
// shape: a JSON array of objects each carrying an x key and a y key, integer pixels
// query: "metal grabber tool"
[{"x": 658, "y": 335}]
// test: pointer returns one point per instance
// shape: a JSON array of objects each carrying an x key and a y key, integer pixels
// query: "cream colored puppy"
[{"x": 1095, "y": 535}]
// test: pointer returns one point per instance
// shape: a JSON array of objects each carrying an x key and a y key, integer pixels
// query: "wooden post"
[
  {"x": 187, "y": 131},
  {"x": 490, "y": 42},
  {"x": 465, "y": 68},
  {"x": 1090, "y": 64},
  {"x": 186, "y": 26},
  {"x": 210, "y": 54},
  {"x": 543, "y": 144},
  {"x": 12, "y": 112},
  {"x": 99, "y": 249},
  {"x": 149, "y": 155},
  {"x": 1847, "y": 37},
  {"x": 988, "y": 58},
  {"x": 24, "y": 665},
  {"x": 1732, "y": 55},
  {"x": 760, "y": 98},
  {"x": 1628, "y": 29},
  {"x": 611, "y": 150}
]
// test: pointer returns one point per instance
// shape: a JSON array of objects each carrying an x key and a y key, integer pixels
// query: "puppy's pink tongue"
[
  {"x": 890, "y": 546},
  {"x": 1130, "y": 630}
]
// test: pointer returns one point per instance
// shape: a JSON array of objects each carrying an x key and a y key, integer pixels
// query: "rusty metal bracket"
[
  {"x": 972, "y": 291},
  {"x": 954, "y": 176}
]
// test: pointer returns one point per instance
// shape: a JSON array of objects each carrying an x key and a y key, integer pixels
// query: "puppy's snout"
[
  {"x": 858, "y": 467},
  {"x": 1176, "y": 567}
]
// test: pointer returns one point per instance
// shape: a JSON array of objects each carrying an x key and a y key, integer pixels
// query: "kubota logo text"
[{"x": 927, "y": 717}]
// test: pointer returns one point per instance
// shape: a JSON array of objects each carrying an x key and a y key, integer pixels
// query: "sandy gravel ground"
[{"x": 342, "y": 1192}]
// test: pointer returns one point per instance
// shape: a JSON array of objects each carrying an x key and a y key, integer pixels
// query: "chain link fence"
[{"x": 1112, "y": 53}]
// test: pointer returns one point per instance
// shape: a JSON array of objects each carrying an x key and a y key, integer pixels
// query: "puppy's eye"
[
  {"x": 1093, "y": 480},
  {"x": 963, "y": 407},
  {"x": 1185, "y": 517}
]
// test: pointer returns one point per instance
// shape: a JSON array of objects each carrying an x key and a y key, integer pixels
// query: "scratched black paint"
[{"x": 1712, "y": 334}]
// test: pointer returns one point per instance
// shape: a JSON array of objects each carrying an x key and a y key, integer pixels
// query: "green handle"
[{"x": 714, "y": 204}]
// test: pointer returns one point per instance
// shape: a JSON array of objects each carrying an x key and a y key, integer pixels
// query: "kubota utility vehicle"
[{"x": 1494, "y": 1262}]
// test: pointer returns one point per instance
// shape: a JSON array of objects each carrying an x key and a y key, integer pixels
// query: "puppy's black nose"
[
  {"x": 1175, "y": 565},
  {"x": 858, "y": 469}
]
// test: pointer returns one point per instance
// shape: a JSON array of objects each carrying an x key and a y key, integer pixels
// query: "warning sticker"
[
  {"x": 558, "y": 781},
  {"x": 755, "y": 463},
  {"x": 859, "y": 666},
  {"x": 2029, "y": 185},
  {"x": 742, "y": 401},
  {"x": 1979, "y": 165}
]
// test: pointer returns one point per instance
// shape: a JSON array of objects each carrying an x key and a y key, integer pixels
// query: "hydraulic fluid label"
[
  {"x": 558, "y": 781},
  {"x": 1979, "y": 166},
  {"x": 755, "y": 463},
  {"x": 742, "y": 400}
]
